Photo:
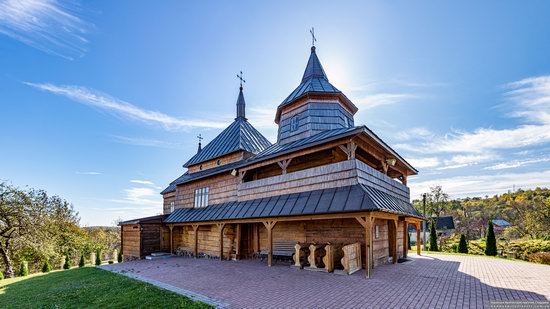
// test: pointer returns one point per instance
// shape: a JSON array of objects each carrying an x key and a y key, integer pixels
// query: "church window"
[
  {"x": 376, "y": 231},
  {"x": 201, "y": 197},
  {"x": 294, "y": 123},
  {"x": 172, "y": 206}
]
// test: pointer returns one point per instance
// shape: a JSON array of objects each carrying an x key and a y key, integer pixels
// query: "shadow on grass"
[{"x": 89, "y": 287}]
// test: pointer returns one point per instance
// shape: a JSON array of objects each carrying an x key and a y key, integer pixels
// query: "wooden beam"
[
  {"x": 241, "y": 176},
  {"x": 220, "y": 229},
  {"x": 418, "y": 238},
  {"x": 395, "y": 243},
  {"x": 405, "y": 239},
  {"x": 269, "y": 226},
  {"x": 404, "y": 179},
  {"x": 238, "y": 241},
  {"x": 368, "y": 246},
  {"x": 349, "y": 149},
  {"x": 196, "y": 240},
  {"x": 171, "y": 227}
]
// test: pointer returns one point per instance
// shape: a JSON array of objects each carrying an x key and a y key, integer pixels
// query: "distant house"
[
  {"x": 500, "y": 225},
  {"x": 444, "y": 226}
]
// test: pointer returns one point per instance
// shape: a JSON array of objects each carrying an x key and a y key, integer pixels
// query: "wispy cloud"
[
  {"x": 479, "y": 185},
  {"x": 142, "y": 182},
  {"x": 137, "y": 141},
  {"x": 48, "y": 25},
  {"x": 381, "y": 99},
  {"x": 119, "y": 107},
  {"x": 88, "y": 173},
  {"x": 424, "y": 162},
  {"x": 515, "y": 164}
]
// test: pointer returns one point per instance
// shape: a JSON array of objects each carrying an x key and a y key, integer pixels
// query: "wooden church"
[{"x": 328, "y": 193}]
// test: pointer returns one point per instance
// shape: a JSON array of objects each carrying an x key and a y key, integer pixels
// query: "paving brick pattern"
[{"x": 430, "y": 281}]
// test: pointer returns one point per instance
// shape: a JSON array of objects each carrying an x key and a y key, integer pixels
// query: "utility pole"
[{"x": 424, "y": 222}]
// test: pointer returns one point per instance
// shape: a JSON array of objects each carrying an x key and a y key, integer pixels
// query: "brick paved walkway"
[{"x": 431, "y": 281}]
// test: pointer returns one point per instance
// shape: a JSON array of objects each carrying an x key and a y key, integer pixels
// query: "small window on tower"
[
  {"x": 294, "y": 123},
  {"x": 172, "y": 205}
]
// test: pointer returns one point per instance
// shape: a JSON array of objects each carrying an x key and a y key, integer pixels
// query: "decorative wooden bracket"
[
  {"x": 404, "y": 179},
  {"x": 284, "y": 164},
  {"x": 367, "y": 223},
  {"x": 241, "y": 175},
  {"x": 349, "y": 148}
]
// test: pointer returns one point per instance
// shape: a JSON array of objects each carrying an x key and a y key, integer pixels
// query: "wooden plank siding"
[
  {"x": 223, "y": 160},
  {"x": 131, "y": 240},
  {"x": 221, "y": 188}
]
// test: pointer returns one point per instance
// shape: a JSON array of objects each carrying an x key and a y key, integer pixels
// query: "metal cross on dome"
[
  {"x": 200, "y": 138},
  {"x": 313, "y": 39},
  {"x": 241, "y": 78}
]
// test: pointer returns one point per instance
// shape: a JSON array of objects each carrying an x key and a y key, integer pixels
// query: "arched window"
[{"x": 294, "y": 123}]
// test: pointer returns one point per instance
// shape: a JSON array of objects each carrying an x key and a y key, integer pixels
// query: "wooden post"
[
  {"x": 269, "y": 226},
  {"x": 171, "y": 239},
  {"x": 405, "y": 239},
  {"x": 284, "y": 164},
  {"x": 349, "y": 149},
  {"x": 418, "y": 238},
  {"x": 256, "y": 237},
  {"x": 238, "y": 241},
  {"x": 366, "y": 222},
  {"x": 395, "y": 243},
  {"x": 404, "y": 179},
  {"x": 196, "y": 240},
  {"x": 220, "y": 229}
]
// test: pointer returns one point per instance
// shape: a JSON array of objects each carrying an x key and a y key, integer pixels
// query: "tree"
[
  {"x": 433, "y": 237},
  {"x": 24, "y": 269},
  {"x": 120, "y": 257},
  {"x": 82, "y": 262},
  {"x": 409, "y": 241},
  {"x": 98, "y": 257},
  {"x": 46, "y": 268},
  {"x": 462, "y": 245},
  {"x": 67, "y": 264},
  {"x": 437, "y": 201},
  {"x": 490, "y": 241}
]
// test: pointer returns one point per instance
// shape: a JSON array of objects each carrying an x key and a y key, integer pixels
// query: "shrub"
[
  {"x": 82, "y": 262},
  {"x": 491, "y": 241},
  {"x": 433, "y": 237},
  {"x": 120, "y": 257},
  {"x": 1, "y": 275},
  {"x": 24, "y": 269},
  {"x": 111, "y": 262},
  {"x": 67, "y": 264},
  {"x": 540, "y": 257},
  {"x": 98, "y": 257},
  {"x": 46, "y": 268},
  {"x": 462, "y": 245}
]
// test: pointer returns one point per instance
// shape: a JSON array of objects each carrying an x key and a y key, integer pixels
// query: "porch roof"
[{"x": 326, "y": 201}]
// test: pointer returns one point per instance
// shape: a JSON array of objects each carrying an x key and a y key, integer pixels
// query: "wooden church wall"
[{"x": 221, "y": 188}]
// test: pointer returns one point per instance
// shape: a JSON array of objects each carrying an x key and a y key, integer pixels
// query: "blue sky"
[{"x": 101, "y": 102}]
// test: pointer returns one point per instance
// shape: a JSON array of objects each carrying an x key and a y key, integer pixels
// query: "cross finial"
[
  {"x": 200, "y": 138},
  {"x": 313, "y": 39},
  {"x": 240, "y": 76},
  {"x": 200, "y": 146}
]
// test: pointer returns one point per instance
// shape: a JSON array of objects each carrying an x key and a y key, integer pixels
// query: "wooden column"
[
  {"x": 256, "y": 237},
  {"x": 405, "y": 239},
  {"x": 395, "y": 243},
  {"x": 171, "y": 227},
  {"x": 220, "y": 229},
  {"x": 418, "y": 238},
  {"x": 404, "y": 179},
  {"x": 349, "y": 148},
  {"x": 196, "y": 240},
  {"x": 238, "y": 241},
  {"x": 269, "y": 226},
  {"x": 284, "y": 164},
  {"x": 366, "y": 222}
]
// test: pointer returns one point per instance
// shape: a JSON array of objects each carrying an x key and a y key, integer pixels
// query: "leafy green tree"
[
  {"x": 491, "y": 241},
  {"x": 433, "y": 237},
  {"x": 46, "y": 268},
  {"x": 67, "y": 264},
  {"x": 98, "y": 257},
  {"x": 24, "y": 269},
  {"x": 462, "y": 245},
  {"x": 82, "y": 262},
  {"x": 1, "y": 275}
]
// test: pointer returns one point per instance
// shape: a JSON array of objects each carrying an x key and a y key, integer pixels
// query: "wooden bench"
[{"x": 281, "y": 248}]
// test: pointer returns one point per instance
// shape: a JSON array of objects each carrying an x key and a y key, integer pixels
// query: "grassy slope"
[{"x": 87, "y": 287}]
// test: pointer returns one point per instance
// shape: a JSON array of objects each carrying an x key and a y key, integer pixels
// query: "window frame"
[
  {"x": 172, "y": 206},
  {"x": 201, "y": 197},
  {"x": 294, "y": 123},
  {"x": 376, "y": 231}
]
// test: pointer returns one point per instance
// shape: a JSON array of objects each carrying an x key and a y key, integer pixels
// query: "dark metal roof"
[
  {"x": 240, "y": 135},
  {"x": 314, "y": 80},
  {"x": 145, "y": 220},
  {"x": 444, "y": 223},
  {"x": 335, "y": 200}
]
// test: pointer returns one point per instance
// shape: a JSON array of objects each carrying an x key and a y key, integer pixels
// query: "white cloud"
[
  {"x": 515, "y": 164},
  {"x": 48, "y": 25},
  {"x": 381, "y": 99},
  {"x": 142, "y": 182},
  {"x": 460, "y": 161},
  {"x": 88, "y": 173},
  {"x": 136, "y": 141},
  {"x": 414, "y": 133},
  {"x": 100, "y": 100},
  {"x": 424, "y": 162},
  {"x": 480, "y": 185}
]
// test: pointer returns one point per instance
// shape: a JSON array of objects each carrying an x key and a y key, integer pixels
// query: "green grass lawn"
[
  {"x": 467, "y": 254},
  {"x": 87, "y": 287}
]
